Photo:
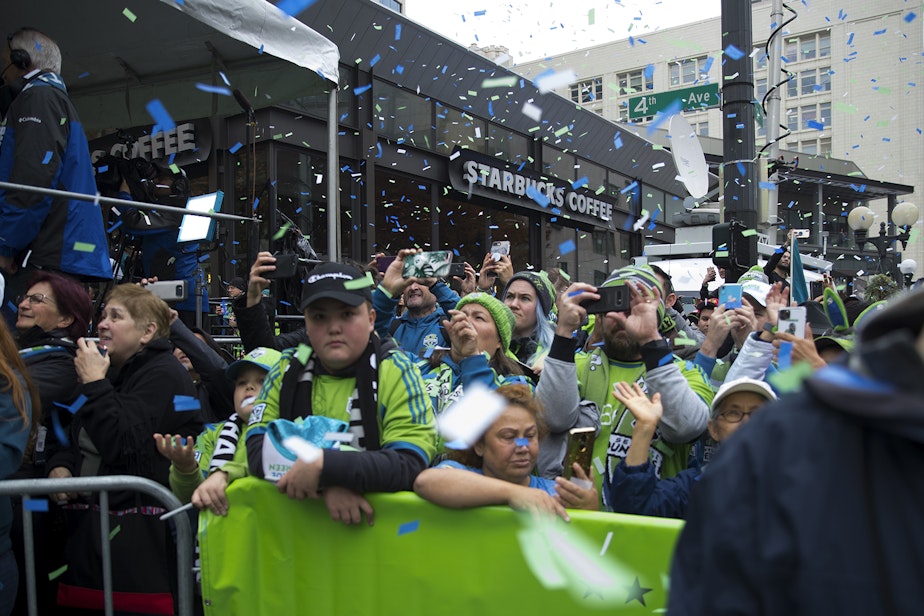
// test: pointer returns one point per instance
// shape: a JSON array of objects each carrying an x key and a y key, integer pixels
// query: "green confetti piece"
[
  {"x": 561, "y": 131},
  {"x": 63, "y": 121},
  {"x": 302, "y": 353},
  {"x": 721, "y": 253},
  {"x": 790, "y": 380},
  {"x": 129, "y": 15},
  {"x": 678, "y": 341},
  {"x": 500, "y": 82},
  {"x": 591, "y": 15},
  {"x": 175, "y": 169},
  {"x": 359, "y": 283},
  {"x": 748, "y": 232},
  {"x": 282, "y": 231},
  {"x": 58, "y": 572},
  {"x": 115, "y": 531},
  {"x": 84, "y": 247}
]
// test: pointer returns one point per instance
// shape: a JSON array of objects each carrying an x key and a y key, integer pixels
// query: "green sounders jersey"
[
  {"x": 596, "y": 375},
  {"x": 404, "y": 413}
]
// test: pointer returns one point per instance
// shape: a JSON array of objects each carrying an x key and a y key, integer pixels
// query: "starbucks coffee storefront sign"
[{"x": 471, "y": 172}]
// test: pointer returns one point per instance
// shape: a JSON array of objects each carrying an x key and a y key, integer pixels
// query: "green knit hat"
[
  {"x": 647, "y": 277},
  {"x": 503, "y": 317},
  {"x": 545, "y": 290}
]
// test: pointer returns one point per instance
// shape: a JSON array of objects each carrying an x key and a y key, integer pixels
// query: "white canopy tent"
[{"x": 118, "y": 55}]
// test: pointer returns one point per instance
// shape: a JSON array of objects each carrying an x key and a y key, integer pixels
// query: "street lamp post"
[{"x": 861, "y": 218}]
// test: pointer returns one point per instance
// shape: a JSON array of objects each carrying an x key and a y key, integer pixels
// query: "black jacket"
[
  {"x": 49, "y": 359},
  {"x": 814, "y": 506},
  {"x": 123, "y": 411},
  {"x": 254, "y": 325}
]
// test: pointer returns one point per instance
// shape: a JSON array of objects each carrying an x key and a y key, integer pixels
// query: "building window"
[
  {"x": 761, "y": 58},
  {"x": 824, "y": 146},
  {"x": 587, "y": 91},
  {"x": 634, "y": 82},
  {"x": 809, "y": 115},
  {"x": 792, "y": 86},
  {"x": 792, "y": 119},
  {"x": 824, "y": 112},
  {"x": 761, "y": 88},
  {"x": 809, "y": 80},
  {"x": 824, "y": 79},
  {"x": 807, "y": 47},
  {"x": 684, "y": 72},
  {"x": 391, "y": 4}
]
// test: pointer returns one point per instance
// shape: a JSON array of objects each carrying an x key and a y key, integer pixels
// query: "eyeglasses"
[
  {"x": 733, "y": 416},
  {"x": 35, "y": 298}
]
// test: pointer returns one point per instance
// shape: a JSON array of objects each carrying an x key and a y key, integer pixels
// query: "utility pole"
[
  {"x": 741, "y": 175},
  {"x": 774, "y": 62}
]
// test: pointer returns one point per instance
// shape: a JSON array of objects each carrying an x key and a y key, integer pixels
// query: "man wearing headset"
[{"x": 42, "y": 144}]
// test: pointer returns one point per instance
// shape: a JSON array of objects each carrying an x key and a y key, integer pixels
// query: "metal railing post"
[{"x": 104, "y": 485}]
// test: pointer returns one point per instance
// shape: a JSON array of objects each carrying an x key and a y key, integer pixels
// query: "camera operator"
[{"x": 155, "y": 232}]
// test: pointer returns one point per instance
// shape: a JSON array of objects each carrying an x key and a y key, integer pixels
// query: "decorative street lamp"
[
  {"x": 861, "y": 218},
  {"x": 907, "y": 268}
]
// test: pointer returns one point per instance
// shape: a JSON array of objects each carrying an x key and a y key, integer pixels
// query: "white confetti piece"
[
  {"x": 533, "y": 112},
  {"x": 467, "y": 419},
  {"x": 553, "y": 81},
  {"x": 305, "y": 451}
]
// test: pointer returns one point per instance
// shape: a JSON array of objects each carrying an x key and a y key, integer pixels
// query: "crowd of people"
[{"x": 383, "y": 359}]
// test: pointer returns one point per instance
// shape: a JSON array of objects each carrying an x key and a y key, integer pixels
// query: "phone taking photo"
[
  {"x": 730, "y": 296},
  {"x": 612, "y": 299},
  {"x": 580, "y": 449},
  {"x": 792, "y": 321}
]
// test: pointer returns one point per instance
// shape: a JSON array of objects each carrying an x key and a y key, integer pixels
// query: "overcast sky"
[{"x": 533, "y": 29}]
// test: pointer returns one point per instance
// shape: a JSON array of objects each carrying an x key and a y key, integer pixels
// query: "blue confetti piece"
[
  {"x": 733, "y": 52},
  {"x": 35, "y": 504},
  {"x": 213, "y": 89},
  {"x": 74, "y": 406},
  {"x": 909, "y": 17},
  {"x": 234, "y": 148},
  {"x": 815, "y": 125},
  {"x": 850, "y": 40},
  {"x": 160, "y": 115},
  {"x": 708, "y": 64},
  {"x": 649, "y": 71},
  {"x": 741, "y": 170},
  {"x": 115, "y": 226},
  {"x": 13, "y": 307},
  {"x": 574, "y": 293},
  {"x": 408, "y": 527},
  {"x": 767, "y": 185},
  {"x": 378, "y": 147},
  {"x": 784, "y": 357},
  {"x": 260, "y": 51},
  {"x": 203, "y": 258},
  {"x": 103, "y": 169},
  {"x": 294, "y": 7},
  {"x": 84, "y": 74},
  {"x": 397, "y": 32},
  {"x": 428, "y": 353},
  {"x": 399, "y": 69},
  {"x": 662, "y": 116},
  {"x": 186, "y": 403},
  {"x": 566, "y": 247},
  {"x": 375, "y": 60},
  {"x": 58, "y": 430},
  {"x": 878, "y": 32},
  {"x": 521, "y": 442},
  {"x": 631, "y": 186},
  {"x": 361, "y": 89},
  {"x": 578, "y": 183},
  {"x": 537, "y": 196},
  {"x": 256, "y": 204},
  {"x": 47, "y": 158},
  {"x": 666, "y": 359}
]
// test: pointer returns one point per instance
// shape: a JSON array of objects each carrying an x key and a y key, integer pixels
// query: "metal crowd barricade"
[{"x": 103, "y": 485}]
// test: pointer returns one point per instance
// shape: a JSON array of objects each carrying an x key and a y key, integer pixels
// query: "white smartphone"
[
  {"x": 792, "y": 321},
  {"x": 169, "y": 290}
]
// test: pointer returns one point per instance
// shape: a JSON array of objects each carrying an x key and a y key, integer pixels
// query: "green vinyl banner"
[{"x": 273, "y": 555}]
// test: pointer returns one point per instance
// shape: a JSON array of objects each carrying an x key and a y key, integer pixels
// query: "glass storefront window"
[
  {"x": 595, "y": 174},
  {"x": 316, "y": 104},
  {"x": 514, "y": 227},
  {"x": 463, "y": 229},
  {"x": 402, "y": 115},
  {"x": 557, "y": 164},
  {"x": 555, "y": 236},
  {"x": 402, "y": 213},
  {"x": 454, "y": 127},
  {"x": 507, "y": 145}
]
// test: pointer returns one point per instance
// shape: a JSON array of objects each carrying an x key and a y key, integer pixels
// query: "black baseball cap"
[{"x": 335, "y": 281}]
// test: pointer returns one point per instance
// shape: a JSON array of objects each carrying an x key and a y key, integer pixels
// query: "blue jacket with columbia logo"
[{"x": 42, "y": 144}]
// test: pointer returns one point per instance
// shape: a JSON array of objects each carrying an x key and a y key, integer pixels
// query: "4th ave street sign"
[{"x": 697, "y": 97}]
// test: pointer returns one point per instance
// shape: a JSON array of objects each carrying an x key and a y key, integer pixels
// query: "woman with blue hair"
[{"x": 531, "y": 297}]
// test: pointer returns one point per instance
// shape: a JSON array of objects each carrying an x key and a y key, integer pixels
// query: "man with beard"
[
  {"x": 633, "y": 350},
  {"x": 427, "y": 301}
]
